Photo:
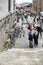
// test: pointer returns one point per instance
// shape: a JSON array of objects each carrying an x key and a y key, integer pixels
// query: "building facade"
[
  {"x": 6, "y": 6},
  {"x": 38, "y": 5}
]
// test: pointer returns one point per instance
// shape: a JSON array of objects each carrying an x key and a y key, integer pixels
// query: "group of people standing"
[
  {"x": 33, "y": 36},
  {"x": 34, "y": 28},
  {"x": 34, "y": 32}
]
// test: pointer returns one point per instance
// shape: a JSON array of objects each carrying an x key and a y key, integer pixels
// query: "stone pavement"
[{"x": 16, "y": 56}]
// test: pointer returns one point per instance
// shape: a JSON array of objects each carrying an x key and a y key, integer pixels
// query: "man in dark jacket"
[{"x": 35, "y": 37}]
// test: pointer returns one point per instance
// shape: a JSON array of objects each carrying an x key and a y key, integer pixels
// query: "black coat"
[
  {"x": 39, "y": 29},
  {"x": 35, "y": 36}
]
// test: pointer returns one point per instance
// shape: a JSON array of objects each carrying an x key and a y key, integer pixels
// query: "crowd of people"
[{"x": 34, "y": 26}]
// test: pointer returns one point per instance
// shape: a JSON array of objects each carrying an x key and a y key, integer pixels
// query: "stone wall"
[{"x": 6, "y": 24}]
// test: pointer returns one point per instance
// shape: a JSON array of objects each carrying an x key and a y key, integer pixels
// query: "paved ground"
[
  {"x": 22, "y": 42},
  {"x": 22, "y": 57}
]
